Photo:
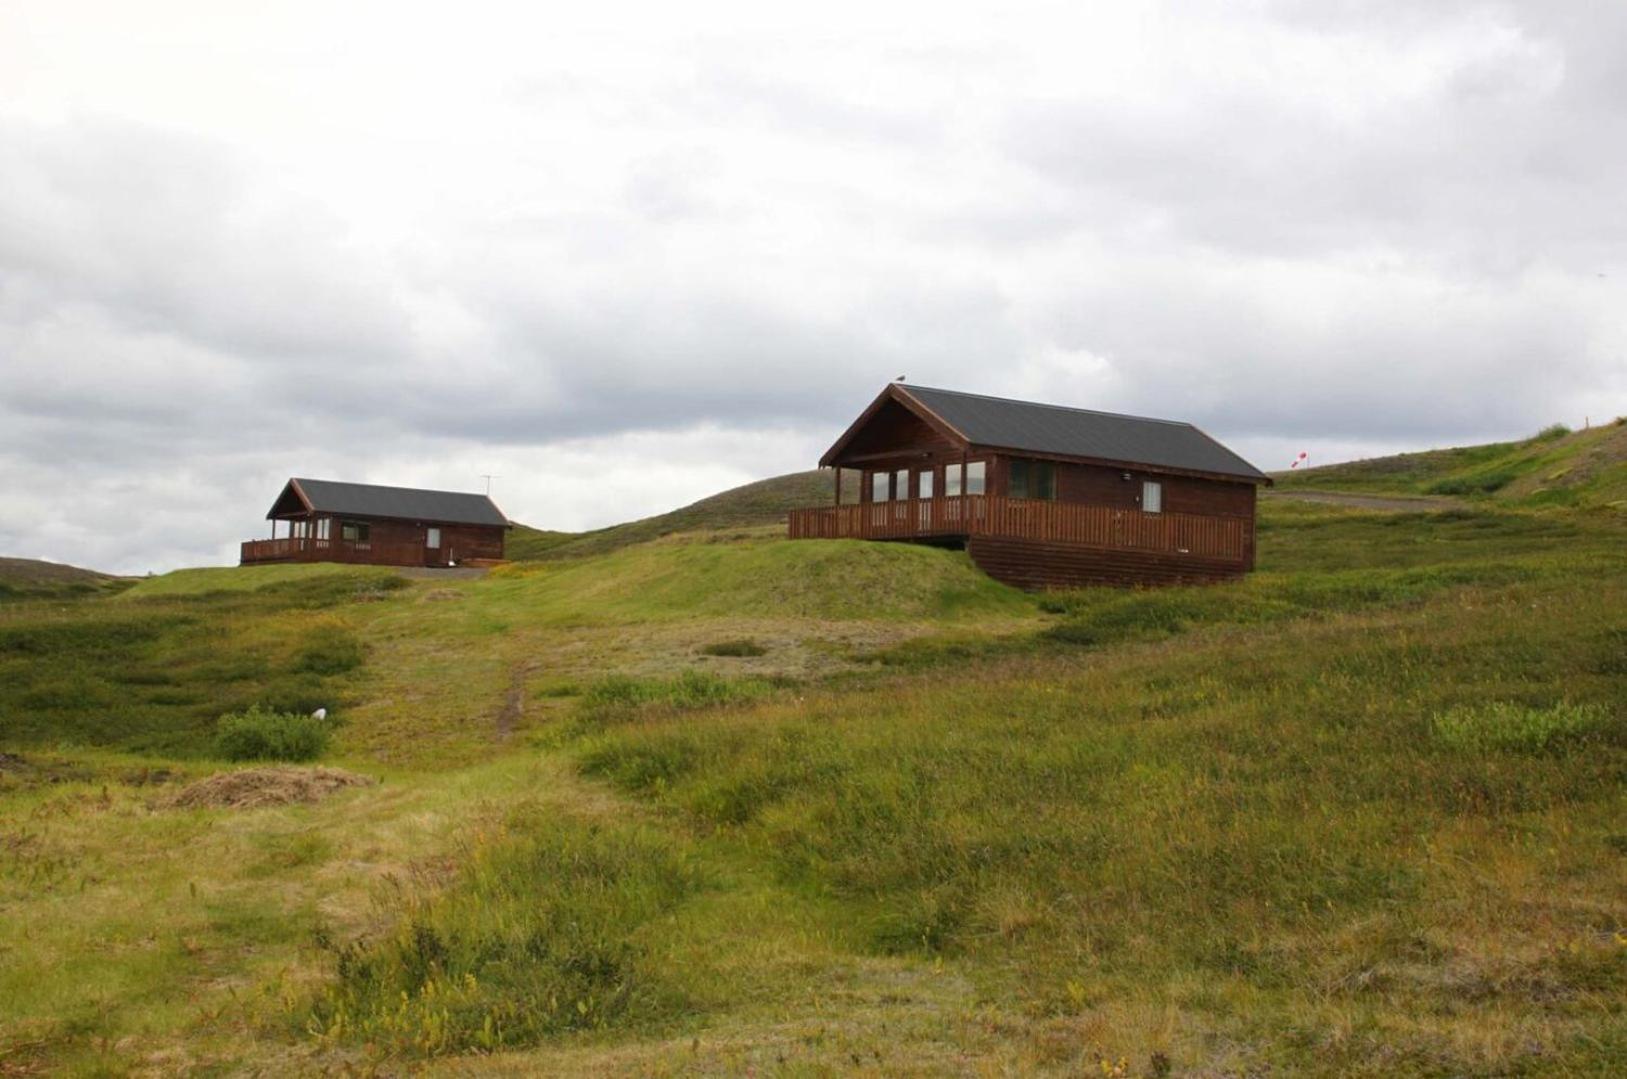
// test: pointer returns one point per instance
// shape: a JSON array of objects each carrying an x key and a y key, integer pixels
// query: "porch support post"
[{"x": 838, "y": 485}]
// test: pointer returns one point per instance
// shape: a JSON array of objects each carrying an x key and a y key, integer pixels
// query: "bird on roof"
[{"x": 900, "y": 378}]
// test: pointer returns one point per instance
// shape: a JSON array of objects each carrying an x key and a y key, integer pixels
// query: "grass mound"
[
  {"x": 193, "y": 582},
  {"x": 827, "y": 579},
  {"x": 252, "y": 788}
]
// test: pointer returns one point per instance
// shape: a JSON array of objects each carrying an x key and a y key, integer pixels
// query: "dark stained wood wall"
[{"x": 459, "y": 542}]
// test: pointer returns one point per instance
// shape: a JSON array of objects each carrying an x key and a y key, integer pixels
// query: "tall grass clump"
[
  {"x": 260, "y": 735},
  {"x": 1517, "y": 728},
  {"x": 620, "y": 697},
  {"x": 329, "y": 650},
  {"x": 537, "y": 936}
]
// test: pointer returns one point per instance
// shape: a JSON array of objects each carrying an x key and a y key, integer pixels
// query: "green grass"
[
  {"x": 823, "y": 579},
  {"x": 152, "y": 675},
  {"x": 540, "y": 935},
  {"x": 765, "y": 502},
  {"x": 1358, "y": 814},
  {"x": 193, "y": 582},
  {"x": 526, "y": 544},
  {"x": 1554, "y": 467}
]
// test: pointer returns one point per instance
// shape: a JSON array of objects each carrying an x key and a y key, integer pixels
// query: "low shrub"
[
  {"x": 1482, "y": 482},
  {"x": 1551, "y": 432},
  {"x": 1517, "y": 728},
  {"x": 744, "y": 646},
  {"x": 259, "y": 735}
]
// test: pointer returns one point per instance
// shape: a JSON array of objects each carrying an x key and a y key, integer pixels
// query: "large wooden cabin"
[
  {"x": 327, "y": 521},
  {"x": 1041, "y": 496}
]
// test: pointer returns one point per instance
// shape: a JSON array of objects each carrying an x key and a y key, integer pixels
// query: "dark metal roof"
[
  {"x": 1079, "y": 432},
  {"x": 401, "y": 503}
]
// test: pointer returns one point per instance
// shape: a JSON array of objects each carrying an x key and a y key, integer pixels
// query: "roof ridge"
[
  {"x": 391, "y": 487},
  {"x": 1045, "y": 404}
]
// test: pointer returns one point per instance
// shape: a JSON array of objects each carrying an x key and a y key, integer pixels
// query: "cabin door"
[{"x": 432, "y": 547}]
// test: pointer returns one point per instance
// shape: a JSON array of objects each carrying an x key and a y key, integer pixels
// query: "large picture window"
[
  {"x": 1032, "y": 479},
  {"x": 353, "y": 531}
]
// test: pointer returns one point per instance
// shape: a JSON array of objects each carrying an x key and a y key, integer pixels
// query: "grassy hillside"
[
  {"x": 717, "y": 805},
  {"x": 29, "y": 578},
  {"x": 764, "y": 502},
  {"x": 1554, "y": 467}
]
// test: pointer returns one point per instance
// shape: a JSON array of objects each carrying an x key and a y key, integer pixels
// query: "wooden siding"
[
  {"x": 1226, "y": 539},
  {"x": 1035, "y": 565},
  {"x": 389, "y": 543}
]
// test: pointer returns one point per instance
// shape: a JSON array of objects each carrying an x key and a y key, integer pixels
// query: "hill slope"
[
  {"x": 1554, "y": 467},
  {"x": 764, "y": 502},
  {"x": 32, "y": 577}
]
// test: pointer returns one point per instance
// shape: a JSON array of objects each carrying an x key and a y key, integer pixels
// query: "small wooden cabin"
[
  {"x": 328, "y": 521},
  {"x": 1041, "y": 496}
]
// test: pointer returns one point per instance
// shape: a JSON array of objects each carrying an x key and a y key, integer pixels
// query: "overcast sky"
[{"x": 628, "y": 255}]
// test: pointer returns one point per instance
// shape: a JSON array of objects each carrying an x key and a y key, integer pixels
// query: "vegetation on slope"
[
  {"x": 1554, "y": 467},
  {"x": 1358, "y": 813},
  {"x": 154, "y": 675},
  {"x": 764, "y": 502},
  {"x": 29, "y": 578},
  {"x": 825, "y": 579}
]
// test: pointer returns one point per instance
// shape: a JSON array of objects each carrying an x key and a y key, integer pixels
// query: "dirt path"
[
  {"x": 514, "y": 702},
  {"x": 1381, "y": 503}
]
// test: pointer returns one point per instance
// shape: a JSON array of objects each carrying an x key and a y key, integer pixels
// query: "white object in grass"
[{"x": 320, "y": 713}]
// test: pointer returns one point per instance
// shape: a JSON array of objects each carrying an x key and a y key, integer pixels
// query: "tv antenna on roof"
[{"x": 488, "y": 477}]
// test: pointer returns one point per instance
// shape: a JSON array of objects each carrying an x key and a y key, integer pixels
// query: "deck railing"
[
  {"x": 1027, "y": 518},
  {"x": 310, "y": 549}
]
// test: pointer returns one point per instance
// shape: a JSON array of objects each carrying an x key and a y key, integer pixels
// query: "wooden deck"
[
  {"x": 307, "y": 549},
  {"x": 1209, "y": 539}
]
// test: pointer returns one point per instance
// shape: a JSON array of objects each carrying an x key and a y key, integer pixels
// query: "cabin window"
[
  {"x": 324, "y": 527},
  {"x": 433, "y": 539},
  {"x": 878, "y": 486},
  {"x": 976, "y": 477},
  {"x": 901, "y": 484},
  {"x": 1033, "y": 479},
  {"x": 353, "y": 531},
  {"x": 951, "y": 480},
  {"x": 923, "y": 484},
  {"x": 1152, "y": 497}
]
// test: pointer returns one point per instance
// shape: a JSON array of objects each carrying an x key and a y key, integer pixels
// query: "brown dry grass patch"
[{"x": 251, "y": 788}]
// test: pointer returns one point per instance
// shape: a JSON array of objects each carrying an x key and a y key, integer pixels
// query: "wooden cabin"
[
  {"x": 1041, "y": 496},
  {"x": 327, "y": 521}
]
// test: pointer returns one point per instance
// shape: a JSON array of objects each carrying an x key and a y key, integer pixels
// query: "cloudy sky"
[{"x": 627, "y": 255}]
